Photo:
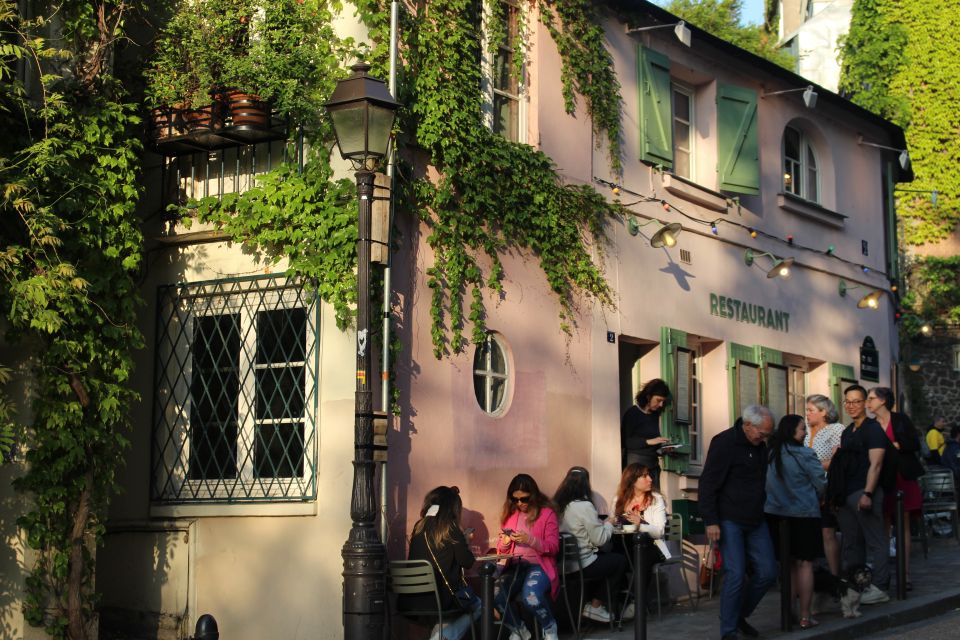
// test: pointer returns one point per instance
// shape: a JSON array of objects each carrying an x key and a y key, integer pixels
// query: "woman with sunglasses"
[
  {"x": 529, "y": 533},
  {"x": 437, "y": 538},
  {"x": 638, "y": 504},
  {"x": 579, "y": 518}
]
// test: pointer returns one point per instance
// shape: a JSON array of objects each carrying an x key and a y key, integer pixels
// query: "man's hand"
[
  {"x": 713, "y": 532},
  {"x": 865, "y": 502}
]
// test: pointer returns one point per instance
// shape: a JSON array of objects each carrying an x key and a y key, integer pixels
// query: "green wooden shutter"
[
  {"x": 737, "y": 146},
  {"x": 670, "y": 339},
  {"x": 841, "y": 376},
  {"x": 778, "y": 405},
  {"x": 737, "y": 354},
  {"x": 656, "y": 123}
]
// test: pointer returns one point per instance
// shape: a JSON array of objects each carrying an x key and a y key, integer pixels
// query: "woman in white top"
[
  {"x": 823, "y": 436},
  {"x": 578, "y": 517},
  {"x": 637, "y": 503}
]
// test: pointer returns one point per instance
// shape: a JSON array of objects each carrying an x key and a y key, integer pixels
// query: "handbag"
[
  {"x": 710, "y": 569},
  {"x": 463, "y": 594}
]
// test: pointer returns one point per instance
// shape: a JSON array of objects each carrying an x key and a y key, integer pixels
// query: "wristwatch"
[{"x": 869, "y": 494}]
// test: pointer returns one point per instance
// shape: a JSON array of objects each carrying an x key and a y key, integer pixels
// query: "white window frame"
[
  {"x": 794, "y": 166},
  {"x": 489, "y": 375},
  {"x": 174, "y": 475},
  {"x": 487, "y": 68},
  {"x": 796, "y": 390},
  {"x": 690, "y": 93}
]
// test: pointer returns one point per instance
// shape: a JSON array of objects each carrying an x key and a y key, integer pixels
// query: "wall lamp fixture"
[
  {"x": 781, "y": 266},
  {"x": 869, "y": 301},
  {"x": 934, "y": 194},
  {"x": 680, "y": 29},
  {"x": 666, "y": 235},
  {"x": 809, "y": 95},
  {"x": 904, "y": 157}
]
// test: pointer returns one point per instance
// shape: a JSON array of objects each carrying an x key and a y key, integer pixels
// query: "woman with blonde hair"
[{"x": 823, "y": 436}]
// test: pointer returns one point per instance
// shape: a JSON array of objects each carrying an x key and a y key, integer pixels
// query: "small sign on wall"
[{"x": 869, "y": 361}]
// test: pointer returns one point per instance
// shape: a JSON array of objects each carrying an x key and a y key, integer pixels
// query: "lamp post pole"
[
  {"x": 364, "y": 556},
  {"x": 362, "y": 112}
]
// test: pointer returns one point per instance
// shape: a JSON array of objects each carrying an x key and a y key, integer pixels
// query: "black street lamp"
[{"x": 363, "y": 111}]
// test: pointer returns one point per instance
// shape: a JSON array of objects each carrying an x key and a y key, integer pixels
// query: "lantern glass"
[{"x": 379, "y": 126}]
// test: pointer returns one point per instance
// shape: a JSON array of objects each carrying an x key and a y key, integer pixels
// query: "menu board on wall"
[
  {"x": 777, "y": 391},
  {"x": 748, "y": 385},
  {"x": 684, "y": 397}
]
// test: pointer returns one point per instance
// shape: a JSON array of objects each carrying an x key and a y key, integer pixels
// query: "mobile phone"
[
  {"x": 508, "y": 532},
  {"x": 468, "y": 531}
]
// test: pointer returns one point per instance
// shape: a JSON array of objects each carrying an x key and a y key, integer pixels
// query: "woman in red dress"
[{"x": 906, "y": 438}]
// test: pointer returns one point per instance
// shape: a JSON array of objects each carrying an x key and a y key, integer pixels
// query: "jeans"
[
  {"x": 864, "y": 535},
  {"x": 458, "y": 628},
  {"x": 740, "y": 544},
  {"x": 528, "y": 584}
]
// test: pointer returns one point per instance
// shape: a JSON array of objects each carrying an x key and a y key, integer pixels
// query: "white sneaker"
[
  {"x": 435, "y": 633},
  {"x": 874, "y": 595},
  {"x": 893, "y": 547},
  {"x": 629, "y": 613},
  {"x": 520, "y": 634},
  {"x": 551, "y": 633},
  {"x": 599, "y": 614}
]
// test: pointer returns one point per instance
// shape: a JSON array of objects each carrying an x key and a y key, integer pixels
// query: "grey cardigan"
[
  {"x": 580, "y": 519},
  {"x": 797, "y": 493}
]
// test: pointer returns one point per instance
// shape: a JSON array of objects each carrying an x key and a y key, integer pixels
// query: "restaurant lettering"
[{"x": 743, "y": 311}]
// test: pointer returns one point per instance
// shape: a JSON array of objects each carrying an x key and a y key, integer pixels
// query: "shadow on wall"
[{"x": 12, "y": 570}]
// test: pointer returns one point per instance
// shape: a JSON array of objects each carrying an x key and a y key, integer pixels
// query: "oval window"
[{"x": 491, "y": 374}]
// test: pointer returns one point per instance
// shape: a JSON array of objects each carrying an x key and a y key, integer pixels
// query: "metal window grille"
[{"x": 236, "y": 392}]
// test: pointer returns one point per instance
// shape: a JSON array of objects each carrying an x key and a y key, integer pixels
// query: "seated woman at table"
[
  {"x": 578, "y": 516},
  {"x": 638, "y": 504},
  {"x": 437, "y": 538},
  {"x": 529, "y": 533}
]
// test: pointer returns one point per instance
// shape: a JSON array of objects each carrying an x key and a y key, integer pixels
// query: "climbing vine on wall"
[
  {"x": 897, "y": 63},
  {"x": 490, "y": 194}
]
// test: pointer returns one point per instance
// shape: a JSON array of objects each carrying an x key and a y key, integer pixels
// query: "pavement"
[{"x": 936, "y": 590}]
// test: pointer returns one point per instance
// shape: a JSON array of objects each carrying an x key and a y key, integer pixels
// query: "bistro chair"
[
  {"x": 688, "y": 559},
  {"x": 570, "y": 559},
  {"x": 416, "y": 577},
  {"x": 939, "y": 499}
]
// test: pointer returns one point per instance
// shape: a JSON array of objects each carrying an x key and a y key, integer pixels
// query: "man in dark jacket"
[{"x": 732, "y": 493}]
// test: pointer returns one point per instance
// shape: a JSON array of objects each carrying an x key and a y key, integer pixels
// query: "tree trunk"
[{"x": 76, "y": 625}]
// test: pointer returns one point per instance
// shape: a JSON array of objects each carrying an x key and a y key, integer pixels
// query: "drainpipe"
[{"x": 385, "y": 355}]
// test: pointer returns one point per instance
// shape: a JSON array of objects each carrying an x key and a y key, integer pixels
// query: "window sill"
[
  {"x": 810, "y": 210},
  {"x": 246, "y": 509},
  {"x": 692, "y": 192}
]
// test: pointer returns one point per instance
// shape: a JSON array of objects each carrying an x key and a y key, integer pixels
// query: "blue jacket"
[{"x": 797, "y": 493}]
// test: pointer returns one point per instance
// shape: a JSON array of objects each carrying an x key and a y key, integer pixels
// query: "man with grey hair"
[{"x": 732, "y": 494}]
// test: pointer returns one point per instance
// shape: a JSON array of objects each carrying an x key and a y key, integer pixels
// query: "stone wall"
[{"x": 934, "y": 389}]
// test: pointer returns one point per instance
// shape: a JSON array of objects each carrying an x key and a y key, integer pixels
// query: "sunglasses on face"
[{"x": 520, "y": 499}]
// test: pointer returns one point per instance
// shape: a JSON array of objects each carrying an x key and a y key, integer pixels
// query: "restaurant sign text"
[{"x": 743, "y": 311}]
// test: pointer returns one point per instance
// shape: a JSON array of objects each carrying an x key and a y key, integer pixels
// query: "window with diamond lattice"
[{"x": 236, "y": 392}]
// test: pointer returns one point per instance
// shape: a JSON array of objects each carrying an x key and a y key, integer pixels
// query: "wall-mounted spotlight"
[
  {"x": 869, "y": 301},
  {"x": 926, "y": 329},
  {"x": 809, "y": 95},
  {"x": 680, "y": 29},
  {"x": 665, "y": 236},
  {"x": 934, "y": 194},
  {"x": 915, "y": 365},
  {"x": 780, "y": 268},
  {"x": 904, "y": 157}
]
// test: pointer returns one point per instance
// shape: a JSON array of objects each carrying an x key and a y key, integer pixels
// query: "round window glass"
[{"x": 491, "y": 374}]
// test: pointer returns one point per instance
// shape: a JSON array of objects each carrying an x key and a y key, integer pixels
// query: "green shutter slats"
[
  {"x": 670, "y": 339},
  {"x": 738, "y": 146},
  {"x": 656, "y": 125}
]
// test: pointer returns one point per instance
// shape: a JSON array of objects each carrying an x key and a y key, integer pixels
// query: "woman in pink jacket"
[{"x": 531, "y": 534}]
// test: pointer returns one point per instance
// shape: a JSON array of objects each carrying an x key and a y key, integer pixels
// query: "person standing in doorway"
[
  {"x": 863, "y": 534},
  {"x": 640, "y": 437},
  {"x": 732, "y": 497}
]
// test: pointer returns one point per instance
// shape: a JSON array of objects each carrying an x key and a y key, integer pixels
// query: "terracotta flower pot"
[
  {"x": 248, "y": 110},
  {"x": 206, "y": 118},
  {"x": 164, "y": 123}
]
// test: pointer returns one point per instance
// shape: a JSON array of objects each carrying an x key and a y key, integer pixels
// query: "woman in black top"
[
  {"x": 640, "y": 428},
  {"x": 437, "y": 538}
]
